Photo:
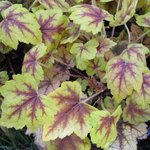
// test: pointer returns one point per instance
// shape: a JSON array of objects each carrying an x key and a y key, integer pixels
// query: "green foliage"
[{"x": 77, "y": 85}]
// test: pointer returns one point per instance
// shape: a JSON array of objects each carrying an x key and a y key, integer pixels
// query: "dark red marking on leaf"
[
  {"x": 48, "y": 29},
  {"x": 125, "y": 66},
  {"x": 106, "y": 123},
  {"x": 133, "y": 110},
  {"x": 50, "y": 3},
  {"x": 94, "y": 64},
  {"x": 146, "y": 85},
  {"x": 133, "y": 50},
  {"x": 6, "y": 5},
  {"x": 12, "y": 20},
  {"x": 73, "y": 109},
  {"x": 30, "y": 62},
  {"x": 94, "y": 12},
  {"x": 31, "y": 101},
  {"x": 69, "y": 143}
]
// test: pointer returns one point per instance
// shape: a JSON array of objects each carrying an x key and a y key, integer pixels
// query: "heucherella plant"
[{"x": 83, "y": 81}]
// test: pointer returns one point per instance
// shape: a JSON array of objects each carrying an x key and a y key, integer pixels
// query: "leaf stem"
[
  {"x": 93, "y": 96},
  {"x": 93, "y": 2},
  {"x": 113, "y": 30},
  {"x": 36, "y": 1},
  {"x": 129, "y": 35},
  {"x": 142, "y": 35}
]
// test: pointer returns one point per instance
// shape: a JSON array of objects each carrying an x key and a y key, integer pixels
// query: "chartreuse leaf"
[
  {"x": 71, "y": 34},
  {"x": 123, "y": 76},
  {"x": 135, "y": 113},
  {"x": 89, "y": 17},
  {"x": 3, "y": 77},
  {"x": 95, "y": 65},
  {"x": 143, "y": 96},
  {"x": 4, "y": 5},
  {"x": 23, "y": 105},
  {"x": 72, "y": 142},
  {"x": 104, "y": 130},
  {"x": 52, "y": 24},
  {"x": 72, "y": 114},
  {"x": 31, "y": 62},
  {"x": 55, "y": 4},
  {"x": 85, "y": 51},
  {"x": 143, "y": 20},
  {"x": 19, "y": 25},
  {"x": 125, "y": 13},
  {"x": 105, "y": 44},
  {"x": 136, "y": 52}
]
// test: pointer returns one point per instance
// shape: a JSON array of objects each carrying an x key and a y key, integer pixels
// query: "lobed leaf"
[
  {"x": 126, "y": 12},
  {"x": 85, "y": 51},
  {"x": 143, "y": 20},
  {"x": 123, "y": 76},
  {"x": 55, "y": 4},
  {"x": 89, "y": 17},
  {"x": 19, "y": 25},
  {"x": 105, "y": 44},
  {"x": 104, "y": 130},
  {"x": 52, "y": 24},
  {"x": 31, "y": 62},
  {"x": 72, "y": 115},
  {"x": 23, "y": 105},
  {"x": 135, "y": 113},
  {"x": 136, "y": 52},
  {"x": 72, "y": 142}
]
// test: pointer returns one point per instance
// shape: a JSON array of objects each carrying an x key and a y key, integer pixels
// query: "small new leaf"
[
  {"x": 104, "y": 130},
  {"x": 143, "y": 20},
  {"x": 3, "y": 77},
  {"x": 22, "y": 104},
  {"x": 19, "y": 25},
  {"x": 123, "y": 76},
  {"x": 72, "y": 142},
  {"x": 31, "y": 61},
  {"x": 89, "y": 17},
  {"x": 72, "y": 115}
]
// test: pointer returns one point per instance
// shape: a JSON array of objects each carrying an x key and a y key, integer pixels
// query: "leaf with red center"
[
  {"x": 4, "y": 5},
  {"x": 135, "y": 113},
  {"x": 89, "y": 17},
  {"x": 123, "y": 76},
  {"x": 31, "y": 62},
  {"x": 72, "y": 142},
  {"x": 85, "y": 51},
  {"x": 55, "y": 4},
  {"x": 104, "y": 131},
  {"x": 143, "y": 96},
  {"x": 63, "y": 55},
  {"x": 136, "y": 52},
  {"x": 143, "y": 20},
  {"x": 53, "y": 24},
  {"x": 126, "y": 12},
  {"x": 72, "y": 114},
  {"x": 23, "y": 105},
  {"x": 71, "y": 34},
  {"x": 95, "y": 65},
  {"x": 105, "y": 44},
  {"x": 19, "y": 25}
]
